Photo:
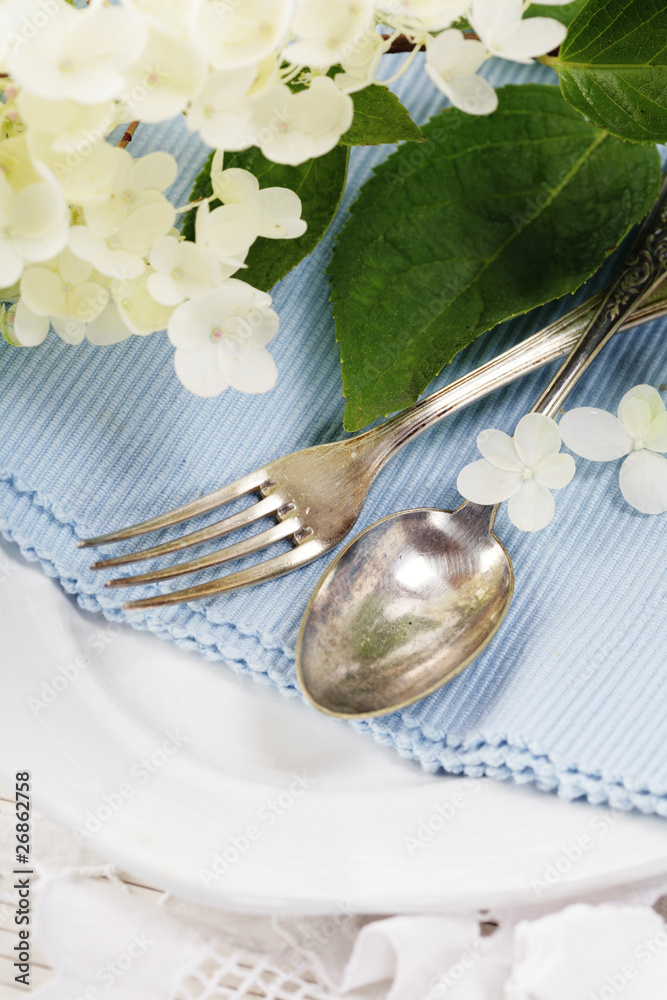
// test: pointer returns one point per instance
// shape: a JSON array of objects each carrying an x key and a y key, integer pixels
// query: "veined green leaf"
[
  {"x": 319, "y": 183},
  {"x": 613, "y": 67},
  {"x": 379, "y": 117},
  {"x": 565, "y": 13},
  {"x": 489, "y": 218}
]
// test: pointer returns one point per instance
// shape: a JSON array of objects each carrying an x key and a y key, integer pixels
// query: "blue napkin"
[{"x": 571, "y": 695}]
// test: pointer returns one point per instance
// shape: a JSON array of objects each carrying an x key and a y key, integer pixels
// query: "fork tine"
[
  {"x": 261, "y": 540},
  {"x": 200, "y": 506},
  {"x": 267, "y": 570},
  {"x": 263, "y": 508}
]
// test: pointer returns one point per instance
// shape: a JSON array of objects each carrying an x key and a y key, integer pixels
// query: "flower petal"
[
  {"x": 247, "y": 367},
  {"x": 647, "y": 393},
  {"x": 198, "y": 370},
  {"x": 484, "y": 483},
  {"x": 157, "y": 170},
  {"x": 595, "y": 434},
  {"x": 556, "y": 471},
  {"x": 643, "y": 482},
  {"x": 72, "y": 331},
  {"x": 29, "y": 329},
  {"x": 498, "y": 449},
  {"x": 532, "y": 507},
  {"x": 533, "y": 37},
  {"x": 191, "y": 323},
  {"x": 107, "y": 328},
  {"x": 635, "y": 416},
  {"x": 656, "y": 436},
  {"x": 535, "y": 438}
]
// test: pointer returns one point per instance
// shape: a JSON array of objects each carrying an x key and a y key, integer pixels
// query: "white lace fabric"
[{"x": 110, "y": 941}]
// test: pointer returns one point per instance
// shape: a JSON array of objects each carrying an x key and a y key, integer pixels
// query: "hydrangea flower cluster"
[{"x": 87, "y": 239}]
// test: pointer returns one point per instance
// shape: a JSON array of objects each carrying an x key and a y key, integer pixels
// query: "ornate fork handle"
[{"x": 644, "y": 268}]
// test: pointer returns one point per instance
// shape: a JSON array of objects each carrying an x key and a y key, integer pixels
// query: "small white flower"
[
  {"x": 221, "y": 111},
  {"x": 639, "y": 431},
  {"x": 164, "y": 78},
  {"x": 79, "y": 55},
  {"x": 67, "y": 291},
  {"x": 232, "y": 35},
  {"x": 361, "y": 63},
  {"x": 500, "y": 26},
  {"x": 133, "y": 184},
  {"x": 181, "y": 270},
  {"x": 137, "y": 308},
  {"x": 452, "y": 62},
  {"x": 122, "y": 254},
  {"x": 220, "y": 340},
  {"x": 278, "y": 209},
  {"x": 522, "y": 469},
  {"x": 291, "y": 128},
  {"x": 33, "y": 212},
  {"x": 328, "y": 32},
  {"x": 84, "y": 179},
  {"x": 227, "y": 233}
]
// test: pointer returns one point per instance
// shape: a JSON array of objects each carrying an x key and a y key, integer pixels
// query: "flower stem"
[{"x": 129, "y": 132}]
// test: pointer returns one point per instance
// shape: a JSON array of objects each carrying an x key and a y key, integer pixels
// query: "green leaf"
[
  {"x": 379, "y": 117},
  {"x": 490, "y": 218},
  {"x": 613, "y": 67},
  {"x": 319, "y": 183},
  {"x": 564, "y": 14}
]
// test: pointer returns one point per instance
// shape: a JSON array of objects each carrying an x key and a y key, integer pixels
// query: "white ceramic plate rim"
[{"x": 341, "y": 842}]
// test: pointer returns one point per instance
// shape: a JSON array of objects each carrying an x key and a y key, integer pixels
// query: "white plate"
[{"x": 336, "y": 820}]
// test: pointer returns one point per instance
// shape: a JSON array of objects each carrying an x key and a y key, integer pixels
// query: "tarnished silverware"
[
  {"x": 415, "y": 598},
  {"x": 316, "y": 495}
]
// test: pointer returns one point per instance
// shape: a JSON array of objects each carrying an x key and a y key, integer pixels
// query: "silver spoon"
[{"x": 414, "y": 598}]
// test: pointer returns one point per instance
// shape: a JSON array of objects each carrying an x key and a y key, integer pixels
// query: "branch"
[
  {"x": 403, "y": 44},
  {"x": 129, "y": 132}
]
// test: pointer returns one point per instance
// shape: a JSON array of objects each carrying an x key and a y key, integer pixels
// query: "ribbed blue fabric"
[{"x": 572, "y": 693}]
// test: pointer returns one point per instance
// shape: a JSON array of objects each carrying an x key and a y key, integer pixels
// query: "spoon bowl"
[{"x": 406, "y": 606}]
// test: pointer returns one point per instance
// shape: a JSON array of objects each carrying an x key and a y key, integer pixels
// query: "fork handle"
[
  {"x": 543, "y": 347},
  {"x": 643, "y": 270}
]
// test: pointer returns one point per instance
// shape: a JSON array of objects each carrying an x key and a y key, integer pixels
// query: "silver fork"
[{"x": 316, "y": 495}]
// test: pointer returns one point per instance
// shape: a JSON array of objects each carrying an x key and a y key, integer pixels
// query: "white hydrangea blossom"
[
  {"x": 522, "y": 469},
  {"x": 452, "y": 64},
  {"x": 65, "y": 289},
  {"x": 277, "y": 209},
  {"x": 220, "y": 340},
  {"x": 291, "y": 128},
  {"x": 638, "y": 434},
  {"x": 86, "y": 230},
  {"x": 33, "y": 211}
]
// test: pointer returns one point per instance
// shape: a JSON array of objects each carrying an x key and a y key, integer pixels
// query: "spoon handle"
[{"x": 642, "y": 272}]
